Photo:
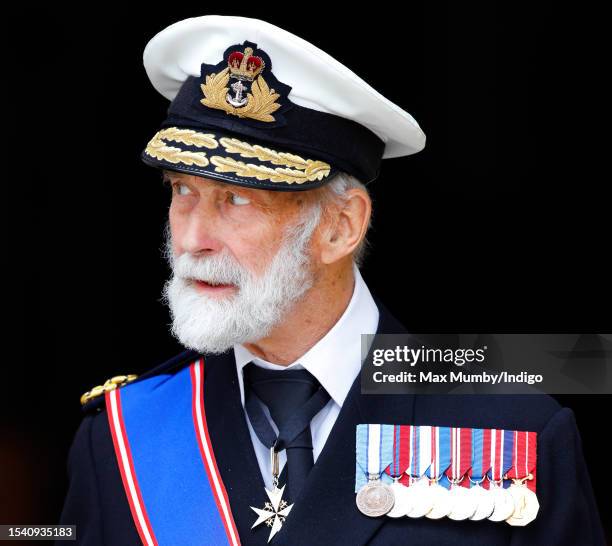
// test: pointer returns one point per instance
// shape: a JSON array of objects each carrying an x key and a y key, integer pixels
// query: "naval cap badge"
[{"x": 238, "y": 86}]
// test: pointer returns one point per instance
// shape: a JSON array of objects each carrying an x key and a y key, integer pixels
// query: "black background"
[{"x": 495, "y": 227}]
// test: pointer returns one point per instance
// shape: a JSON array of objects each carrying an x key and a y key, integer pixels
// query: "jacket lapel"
[{"x": 325, "y": 512}]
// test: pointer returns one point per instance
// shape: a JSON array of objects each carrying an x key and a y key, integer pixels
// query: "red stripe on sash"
[
  {"x": 196, "y": 371},
  {"x": 126, "y": 468}
]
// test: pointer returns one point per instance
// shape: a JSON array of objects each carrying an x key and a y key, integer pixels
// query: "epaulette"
[
  {"x": 93, "y": 399},
  {"x": 98, "y": 392}
]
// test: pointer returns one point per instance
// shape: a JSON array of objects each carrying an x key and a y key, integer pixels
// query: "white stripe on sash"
[
  {"x": 134, "y": 498},
  {"x": 198, "y": 368}
]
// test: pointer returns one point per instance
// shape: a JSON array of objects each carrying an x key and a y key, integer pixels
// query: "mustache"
[{"x": 215, "y": 269}]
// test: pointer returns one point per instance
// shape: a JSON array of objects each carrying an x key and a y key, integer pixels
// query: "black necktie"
[{"x": 293, "y": 398}]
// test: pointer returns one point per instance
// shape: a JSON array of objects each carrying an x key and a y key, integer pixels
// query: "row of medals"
[{"x": 517, "y": 505}]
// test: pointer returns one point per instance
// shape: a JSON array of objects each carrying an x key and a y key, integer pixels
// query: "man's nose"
[{"x": 199, "y": 237}]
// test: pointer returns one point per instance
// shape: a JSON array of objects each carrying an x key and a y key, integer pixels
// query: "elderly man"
[
  {"x": 258, "y": 432},
  {"x": 243, "y": 258}
]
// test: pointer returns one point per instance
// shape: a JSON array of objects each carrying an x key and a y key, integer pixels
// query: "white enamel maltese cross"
[{"x": 273, "y": 513}]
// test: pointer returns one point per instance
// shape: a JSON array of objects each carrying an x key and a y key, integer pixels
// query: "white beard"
[{"x": 214, "y": 325}]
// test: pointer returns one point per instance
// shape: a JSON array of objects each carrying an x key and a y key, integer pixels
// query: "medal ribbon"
[
  {"x": 420, "y": 450},
  {"x": 481, "y": 455},
  {"x": 440, "y": 452},
  {"x": 502, "y": 448},
  {"x": 524, "y": 456},
  {"x": 374, "y": 451},
  {"x": 425, "y": 449},
  {"x": 461, "y": 455},
  {"x": 401, "y": 451}
]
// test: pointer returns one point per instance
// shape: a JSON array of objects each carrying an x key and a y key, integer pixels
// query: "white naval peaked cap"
[{"x": 317, "y": 80}]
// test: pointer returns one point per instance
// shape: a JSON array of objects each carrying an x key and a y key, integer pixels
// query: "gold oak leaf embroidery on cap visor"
[
  {"x": 159, "y": 149},
  {"x": 292, "y": 169}
]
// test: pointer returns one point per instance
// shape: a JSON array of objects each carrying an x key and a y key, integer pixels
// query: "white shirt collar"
[{"x": 335, "y": 360}]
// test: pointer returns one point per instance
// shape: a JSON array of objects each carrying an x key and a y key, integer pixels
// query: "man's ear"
[{"x": 346, "y": 226}]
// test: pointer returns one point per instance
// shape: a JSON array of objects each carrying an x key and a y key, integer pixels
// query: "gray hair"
[{"x": 334, "y": 194}]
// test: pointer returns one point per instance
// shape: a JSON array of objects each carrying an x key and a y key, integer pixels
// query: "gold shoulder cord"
[{"x": 110, "y": 385}]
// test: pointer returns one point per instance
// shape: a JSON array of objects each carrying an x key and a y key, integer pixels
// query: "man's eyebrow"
[
  {"x": 166, "y": 174},
  {"x": 169, "y": 174}
]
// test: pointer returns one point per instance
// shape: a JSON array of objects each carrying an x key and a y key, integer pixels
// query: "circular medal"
[
  {"x": 422, "y": 501},
  {"x": 463, "y": 505},
  {"x": 442, "y": 502},
  {"x": 403, "y": 500},
  {"x": 484, "y": 502},
  {"x": 526, "y": 505},
  {"x": 375, "y": 499},
  {"x": 503, "y": 503}
]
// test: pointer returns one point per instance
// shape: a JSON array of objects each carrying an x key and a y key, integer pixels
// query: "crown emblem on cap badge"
[
  {"x": 245, "y": 65},
  {"x": 255, "y": 100}
]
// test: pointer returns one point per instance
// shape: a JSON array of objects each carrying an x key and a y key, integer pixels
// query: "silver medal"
[
  {"x": 403, "y": 500},
  {"x": 442, "y": 502},
  {"x": 503, "y": 503},
  {"x": 375, "y": 499},
  {"x": 526, "y": 505},
  {"x": 484, "y": 503},
  {"x": 463, "y": 505},
  {"x": 422, "y": 500}
]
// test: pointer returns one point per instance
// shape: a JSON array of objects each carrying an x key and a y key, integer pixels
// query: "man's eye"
[
  {"x": 181, "y": 189},
  {"x": 238, "y": 199}
]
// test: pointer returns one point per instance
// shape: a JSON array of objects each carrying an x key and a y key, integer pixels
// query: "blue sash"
[{"x": 166, "y": 461}]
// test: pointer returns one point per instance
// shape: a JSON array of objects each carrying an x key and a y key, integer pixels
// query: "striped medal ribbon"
[
  {"x": 399, "y": 471},
  {"x": 502, "y": 446},
  {"x": 374, "y": 454},
  {"x": 481, "y": 463},
  {"x": 522, "y": 474},
  {"x": 440, "y": 461},
  {"x": 463, "y": 505}
]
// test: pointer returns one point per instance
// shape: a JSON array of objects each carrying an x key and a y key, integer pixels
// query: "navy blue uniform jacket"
[{"x": 325, "y": 513}]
